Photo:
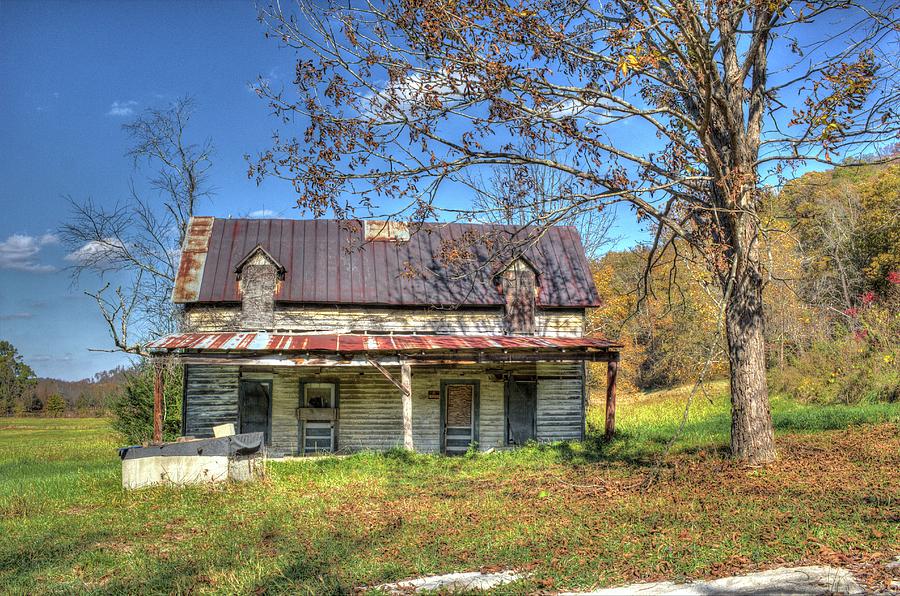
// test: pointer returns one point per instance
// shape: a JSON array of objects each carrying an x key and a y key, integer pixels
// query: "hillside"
[{"x": 91, "y": 393}]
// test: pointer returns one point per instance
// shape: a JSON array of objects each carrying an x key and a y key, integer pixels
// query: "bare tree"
[
  {"x": 397, "y": 97},
  {"x": 137, "y": 241},
  {"x": 531, "y": 195}
]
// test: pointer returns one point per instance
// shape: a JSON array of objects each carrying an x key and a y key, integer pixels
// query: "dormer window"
[
  {"x": 258, "y": 275},
  {"x": 519, "y": 284}
]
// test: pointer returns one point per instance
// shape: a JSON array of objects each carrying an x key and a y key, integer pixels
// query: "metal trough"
[{"x": 238, "y": 458}]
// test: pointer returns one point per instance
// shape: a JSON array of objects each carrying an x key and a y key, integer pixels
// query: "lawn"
[{"x": 574, "y": 515}]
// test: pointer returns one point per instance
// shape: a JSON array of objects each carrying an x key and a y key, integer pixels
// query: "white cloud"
[
  {"x": 434, "y": 90},
  {"x": 67, "y": 357},
  {"x": 262, "y": 213},
  {"x": 95, "y": 251},
  {"x": 122, "y": 108},
  {"x": 428, "y": 90},
  {"x": 19, "y": 252},
  {"x": 16, "y": 315}
]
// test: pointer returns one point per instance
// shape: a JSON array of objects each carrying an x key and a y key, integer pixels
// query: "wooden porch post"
[
  {"x": 158, "y": 389},
  {"x": 406, "y": 390},
  {"x": 612, "y": 367}
]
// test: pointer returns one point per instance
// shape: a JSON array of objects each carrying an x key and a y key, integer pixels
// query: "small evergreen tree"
[
  {"x": 55, "y": 406},
  {"x": 132, "y": 408}
]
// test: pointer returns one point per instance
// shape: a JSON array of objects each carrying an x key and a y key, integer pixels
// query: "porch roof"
[{"x": 260, "y": 341}]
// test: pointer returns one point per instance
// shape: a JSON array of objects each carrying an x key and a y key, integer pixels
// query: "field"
[{"x": 574, "y": 515}]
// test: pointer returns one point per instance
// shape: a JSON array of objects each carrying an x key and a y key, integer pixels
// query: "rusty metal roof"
[
  {"x": 328, "y": 262},
  {"x": 193, "y": 260},
  {"x": 254, "y": 341}
]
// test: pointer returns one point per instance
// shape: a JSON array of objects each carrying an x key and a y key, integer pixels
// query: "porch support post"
[
  {"x": 158, "y": 389},
  {"x": 612, "y": 368},
  {"x": 406, "y": 392}
]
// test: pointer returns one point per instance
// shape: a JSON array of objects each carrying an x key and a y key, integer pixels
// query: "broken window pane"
[{"x": 319, "y": 395}]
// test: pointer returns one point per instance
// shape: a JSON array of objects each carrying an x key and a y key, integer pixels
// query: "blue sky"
[{"x": 72, "y": 74}]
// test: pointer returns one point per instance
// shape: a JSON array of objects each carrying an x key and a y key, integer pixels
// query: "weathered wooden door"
[
  {"x": 459, "y": 416},
  {"x": 521, "y": 411},
  {"x": 255, "y": 405}
]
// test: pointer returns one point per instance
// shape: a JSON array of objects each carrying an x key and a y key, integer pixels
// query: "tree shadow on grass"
[
  {"x": 814, "y": 418},
  {"x": 169, "y": 577},
  {"x": 641, "y": 447},
  {"x": 21, "y": 563},
  {"x": 328, "y": 563}
]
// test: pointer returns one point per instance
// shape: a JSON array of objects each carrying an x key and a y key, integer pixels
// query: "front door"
[
  {"x": 459, "y": 413},
  {"x": 521, "y": 411},
  {"x": 255, "y": 403}
]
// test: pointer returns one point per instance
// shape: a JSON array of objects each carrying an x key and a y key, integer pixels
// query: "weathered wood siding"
[
  {"x": 211, "y": 398},
  {"x": 485, "y": 321},
  {"x": 370, "y": 415},
  {"x": 560, "y": 409}
]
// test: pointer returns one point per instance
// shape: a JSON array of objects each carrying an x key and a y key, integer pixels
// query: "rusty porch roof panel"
[
  {"x": 327, "y": 262},
  {"x": 253, "y": 341}
]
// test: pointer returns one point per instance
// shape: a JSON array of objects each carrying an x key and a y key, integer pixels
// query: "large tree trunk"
[{"x": 752, "y": 436}]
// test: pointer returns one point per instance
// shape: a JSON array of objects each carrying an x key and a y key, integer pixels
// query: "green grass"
[
  {"x": 572, "y": 514},
  {"x": 647, "y": 421}
]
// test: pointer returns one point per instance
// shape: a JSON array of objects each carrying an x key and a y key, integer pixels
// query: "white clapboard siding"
[
  {"x": 370, "y": 414},
  {"x": 426, "y": 413},
  {"x": 285, "y": 401},
  {"x": 493, "y": 415},
  {"x": 559, "y": 402},
  {"x": 486, "y": 321}
]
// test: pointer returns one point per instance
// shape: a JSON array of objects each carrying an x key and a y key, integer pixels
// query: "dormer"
[
  {"x": 518, "y": 282},
  {"x": 258, "y": 275}
]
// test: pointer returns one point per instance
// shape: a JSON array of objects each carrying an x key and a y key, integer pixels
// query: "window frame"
[
  {"x": 335, "y": 401},
  {"x": 476, "y": 409}
]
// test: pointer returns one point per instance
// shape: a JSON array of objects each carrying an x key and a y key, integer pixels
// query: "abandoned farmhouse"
[{"x": 338, "y": 336}]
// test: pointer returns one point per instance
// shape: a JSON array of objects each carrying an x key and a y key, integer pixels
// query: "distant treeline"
[
  {"x": 92, "y": 394},
  {"x": 22, "y": 393}
]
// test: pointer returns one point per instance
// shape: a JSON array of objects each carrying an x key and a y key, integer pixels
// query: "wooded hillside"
[{"x": 832, "y": 242}]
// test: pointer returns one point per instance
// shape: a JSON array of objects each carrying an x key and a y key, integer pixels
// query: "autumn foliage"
[{"x": 832, "y": 300}]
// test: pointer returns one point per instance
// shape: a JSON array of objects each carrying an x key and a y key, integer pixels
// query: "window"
[
  {"x": 318, "y": 395},
  {"x": 318, "y": 417}
]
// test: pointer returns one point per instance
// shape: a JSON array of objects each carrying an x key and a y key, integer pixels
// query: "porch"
[{"x": 341, "y": 393}]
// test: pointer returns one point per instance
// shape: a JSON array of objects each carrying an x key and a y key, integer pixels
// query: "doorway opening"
[
  {"x": 255, "y": 409},
  {"x": 521, "y": 411}
]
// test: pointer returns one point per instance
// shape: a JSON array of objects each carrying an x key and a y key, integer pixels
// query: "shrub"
[
  {"x": 55, "y": 406},
  {"x": 132, "y": 408},
  {"x": 859, "y": 363}
]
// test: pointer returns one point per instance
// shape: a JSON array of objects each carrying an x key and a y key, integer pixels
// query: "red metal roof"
[
  {"x": 347, "y": 343},
  {"x": 327, "y": 262}
]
